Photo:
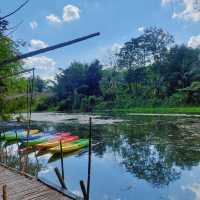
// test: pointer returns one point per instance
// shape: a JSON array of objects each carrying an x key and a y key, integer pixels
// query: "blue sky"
[{"x": 47, "y": 22}]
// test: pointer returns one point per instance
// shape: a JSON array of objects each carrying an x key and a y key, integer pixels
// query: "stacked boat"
[{"x": 46, "y": 140}]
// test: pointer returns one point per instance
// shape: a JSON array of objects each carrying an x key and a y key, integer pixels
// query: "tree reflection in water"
[{"x": 155, "y": 151}]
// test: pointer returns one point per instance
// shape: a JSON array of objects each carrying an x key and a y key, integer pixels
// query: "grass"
[{"x": 161, "y": 110}]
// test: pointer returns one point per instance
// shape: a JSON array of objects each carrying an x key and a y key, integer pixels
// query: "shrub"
[{"x": 177, "y": 99}]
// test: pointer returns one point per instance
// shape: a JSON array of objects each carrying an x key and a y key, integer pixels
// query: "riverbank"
[{"x": 161, "y": 110}]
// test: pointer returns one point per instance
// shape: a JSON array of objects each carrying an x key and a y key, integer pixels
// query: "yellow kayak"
[
  {"x": 33, "y": 131},
  {"x": 72, "y": 146}
]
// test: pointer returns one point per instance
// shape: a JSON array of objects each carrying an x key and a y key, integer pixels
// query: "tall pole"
[
  {"x": 89, "y": 159},
  {"x": 31, "y": 87},
  {"x": 61, "y": 159},
  {"x": 27, "y": 101},
  {"x": 50, "y": 48}
]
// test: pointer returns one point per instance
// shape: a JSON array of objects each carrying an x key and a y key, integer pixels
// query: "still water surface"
[{"x": 134, "y": 157}]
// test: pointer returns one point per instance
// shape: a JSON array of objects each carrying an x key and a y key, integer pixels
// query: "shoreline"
[{"x": 161, "y": 110}]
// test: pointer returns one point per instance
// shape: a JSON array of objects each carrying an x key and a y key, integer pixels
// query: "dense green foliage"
[
  {"x": 150, "y": 71},
  {"x": 10, "y": 87},
  {"x": 75, "y": 88}
]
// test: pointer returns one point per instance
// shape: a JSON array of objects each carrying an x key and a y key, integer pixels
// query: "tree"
[
  {"x": 93, "y": 77},
  {"x": 39, "y": 84},
  {"x": 150, "y": 47},
  {"x": 3, "y": 25},
  {"x": 8, "y": 49},
  {"x": 77, "y": 82},
  {"x": 180, "y": 68},
  {"x": 156, "y": 42},
  {"x": 70, "y": 79}
]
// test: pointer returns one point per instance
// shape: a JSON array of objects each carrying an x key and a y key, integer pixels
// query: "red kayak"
[{"x": 63, "y": 133}]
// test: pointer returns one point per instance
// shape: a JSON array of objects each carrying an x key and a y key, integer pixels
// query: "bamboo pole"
[
  {"x": 89, "y": 159},
  {"x": 5, "y": 192},
  {"x": 59, "y": 176},
  {"x": 61, "y": 160},
  {"x": 18, "y": 149},
  {"x": 83, "y": 189},
  {"x": 37, "y": 161},
  {"x": 50, "y": 48}
]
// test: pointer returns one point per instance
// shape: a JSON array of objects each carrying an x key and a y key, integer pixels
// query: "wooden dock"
[{"x": 24, "y": 187}]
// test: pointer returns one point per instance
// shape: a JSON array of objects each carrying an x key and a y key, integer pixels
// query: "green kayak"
[
  {"x": 83, "y": 142},
  {"x": 16, "y": 135},
  {"x": 10, "y": 136},
  {"x": 70, "y": 147},
  {"x": 2, "y": 136}
]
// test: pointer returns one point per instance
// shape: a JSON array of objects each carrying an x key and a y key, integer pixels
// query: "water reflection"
[{"x": 156, "y": 150}]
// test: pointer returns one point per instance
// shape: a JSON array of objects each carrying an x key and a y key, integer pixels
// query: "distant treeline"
[{"x": 150, "y": 70}]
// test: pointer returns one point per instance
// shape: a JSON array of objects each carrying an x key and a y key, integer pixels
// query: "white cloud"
[
  {"x": 141, "y": 29},
  {"x": 37, "y": 44},
  {"x": 45, "y": 67},
  {"x": 165, "y": 2},
  {"x": 195, "y": 188},
  {"x": 33, "y": 24},
  {"x": 70, "y": 13},
  {"x": 116, "y": 47},
  {"x": 53, "y": 19},
  {"x": 190, "y": 9},
  {"x": 194, "y": 41}
]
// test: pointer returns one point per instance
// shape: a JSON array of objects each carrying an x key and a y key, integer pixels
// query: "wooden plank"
[{"x": 21, "y": 187}]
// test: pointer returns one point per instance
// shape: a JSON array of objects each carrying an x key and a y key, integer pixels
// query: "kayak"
[
  {"x": 72, "y": 146},
  {"x": 63, "y": 133},
  {"x": 16, "y": 135},
  {"x": 13, "y": 131},
  {"x": 43, "y": 139},
  {"x": 9, "y": 136},
  {"x": 36, "y": 136},
  {"x": 36, "y": 141},
  {"x": 56, "y": 142},
  {"x": 2, "y": 136},
  {"x": 32, "y": 131}
]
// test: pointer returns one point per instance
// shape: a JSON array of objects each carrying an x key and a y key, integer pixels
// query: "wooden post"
[
  {"x": 89, "y": 160},
  {"x": 60, "y": 178},
  {"x": 18, "y": 151},
  {"x": 16, "y": 136},
  {"x": 61, "y": 159},
  {"x": 6, "y": 155},
  {"x": 83, "y": 189},
  {"x": 5, "y": 192}
]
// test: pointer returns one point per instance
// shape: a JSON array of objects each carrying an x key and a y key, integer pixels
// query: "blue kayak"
[
  {"x": 37, "y": 136},
  {"x": 37, "y": 141}
]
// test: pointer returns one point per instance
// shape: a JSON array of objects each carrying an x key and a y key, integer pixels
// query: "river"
[{"x": 134, "y": 156}]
